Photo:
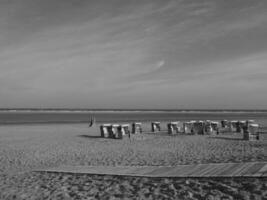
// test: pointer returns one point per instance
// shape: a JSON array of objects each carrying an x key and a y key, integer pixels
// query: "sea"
[{"x": 46, "y": 116}]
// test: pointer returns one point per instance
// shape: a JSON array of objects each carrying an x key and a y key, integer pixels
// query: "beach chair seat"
[
  {"x": 215, "y": 126},
  {"x": 198, "y": 128},
  {"x": 125, "y": 129},
  {"x": 155, "y": 126},
  {"x": 173, "y": 127},
  {"x": 224, "y": 123},
  {"x": 115, "y": 132},
  {"x": 104, "y": 130},
  {"x": 137, "y": 127},
  {"x": 233, "y": 126},
  {"x": 252, "y": 132},
  {"x": 187, "y": 127},
  {"x": 208, "y": 129}
]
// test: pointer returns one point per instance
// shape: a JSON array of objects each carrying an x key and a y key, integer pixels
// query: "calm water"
[{"x": 22, "y": 117}]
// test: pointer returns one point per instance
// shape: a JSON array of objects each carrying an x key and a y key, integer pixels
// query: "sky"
[{"x": 164, "y": 54}]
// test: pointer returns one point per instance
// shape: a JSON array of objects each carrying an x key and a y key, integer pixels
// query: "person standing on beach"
[
  {"x": 128, "y": 132},
  {"x": 91, "y": 121}
]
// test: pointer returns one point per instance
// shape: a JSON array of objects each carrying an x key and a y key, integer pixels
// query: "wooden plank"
[
  {"x": 214, "y": 171},
  {"x": 198, "y": 170},
  {"x": 159, "y": 170},
  {"x": 189, "y": 170},
  {"x": 263, "y": 169},
  {"x": 143, "y": 170},
  {"x": 177, "y": 171},
  {"x": 246, "y": 168},
  {"x": 240, "y": 168},
  {"x": 262, "y": 172},
  {"x": 253, "y": 170},
  {"x": 228, "y": 168}
]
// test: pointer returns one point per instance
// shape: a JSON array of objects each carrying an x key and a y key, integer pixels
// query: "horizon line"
[{"x": 128, "y": 109}]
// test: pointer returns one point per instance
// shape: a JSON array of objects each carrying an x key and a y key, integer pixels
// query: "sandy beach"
[
  {"x": 75, "y": 76},
  {"x": 69, "y": 186},
  {"x": 24, "y": 148}
]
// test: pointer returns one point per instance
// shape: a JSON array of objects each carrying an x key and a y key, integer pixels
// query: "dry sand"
[
  {"x": 24, "y": 148},
  {"x": 69, "y": 186}
]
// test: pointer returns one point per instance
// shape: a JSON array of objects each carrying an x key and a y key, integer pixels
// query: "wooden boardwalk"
[{"x": 248, "y": 169}]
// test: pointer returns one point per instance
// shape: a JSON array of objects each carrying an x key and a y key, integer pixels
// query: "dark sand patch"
[{"x": 76, "y": 186}]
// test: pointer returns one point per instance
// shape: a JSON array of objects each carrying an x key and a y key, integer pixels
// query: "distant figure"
[
  {"x": 91, "y": 121},
  {"x": 129, "y": 134}
]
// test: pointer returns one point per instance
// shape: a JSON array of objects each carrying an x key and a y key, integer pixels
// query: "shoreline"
[
  {"x": 21, "y": 117},
  {"x": 128, "y": 111}
]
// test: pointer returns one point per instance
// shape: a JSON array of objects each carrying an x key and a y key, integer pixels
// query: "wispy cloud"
[{"x": 142, "y": 49}]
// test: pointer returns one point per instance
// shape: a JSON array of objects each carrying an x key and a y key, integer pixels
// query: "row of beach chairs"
[
  {"x": 115, "y": 131},
  {"x": 248, "y": 128}
]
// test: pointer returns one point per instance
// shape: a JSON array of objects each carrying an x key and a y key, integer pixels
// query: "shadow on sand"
[{"x": 90, "y": 136}]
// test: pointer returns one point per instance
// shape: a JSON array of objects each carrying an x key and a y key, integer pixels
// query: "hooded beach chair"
[
  {"x": 137, "y": 127},
  {"x": 155, "y": 126}
]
